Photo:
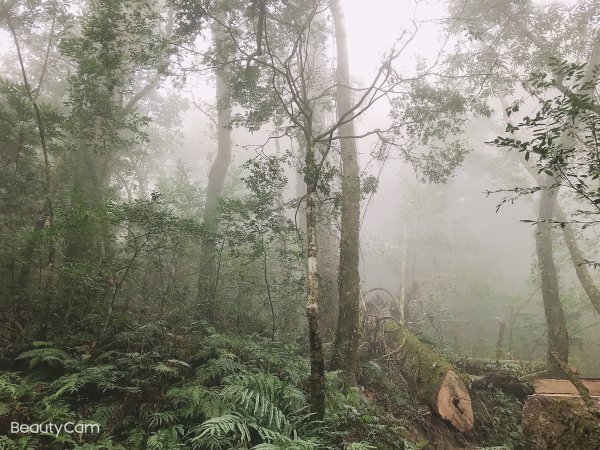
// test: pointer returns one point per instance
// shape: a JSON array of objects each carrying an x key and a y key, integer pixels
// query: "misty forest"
[{"x": 299, "y": 224}]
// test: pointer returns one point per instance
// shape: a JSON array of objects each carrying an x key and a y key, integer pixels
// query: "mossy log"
[
  {"x": 433, "y": 380},
  {"x": 482, "y": 366},
  {"x": 560, "y": 422},
  {"x": 508, "y": 384}
]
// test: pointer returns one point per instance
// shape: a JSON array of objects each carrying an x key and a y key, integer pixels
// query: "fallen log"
[
  {"x": 506, "y": 383},
  {"x": 482, "y": 366},
  {"x": 433, "y": 380}
]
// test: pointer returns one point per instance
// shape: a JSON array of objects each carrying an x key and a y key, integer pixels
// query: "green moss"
[
  {"x": 423, "y": 367},
  {"x": 560, "y": 422}
]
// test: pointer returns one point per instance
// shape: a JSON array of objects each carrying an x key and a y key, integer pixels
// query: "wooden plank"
[
  {"x": 594, "y": 397},
  {"x": 558, "y": 386}
]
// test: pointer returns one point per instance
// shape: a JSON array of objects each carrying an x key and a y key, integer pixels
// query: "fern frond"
[
  {"x": 218, "y": 368},
  {"x": 292, "y": 445},
  {"x": 103, "y": 377},
  {"x": 10, "y": 385},
  {"x": 215, "y": 432},
  {"x": 48, "y": 355},
  {"x": 105, "y": 413},
  {"x": 167, "y": 439},
  {"x": 193, "y": 401},
  {"x": 265, "y": 397},
  {"x": 23, "y": 443},
  {"x": 360, "y": 446},
  {"x": 160, "y": 419}
]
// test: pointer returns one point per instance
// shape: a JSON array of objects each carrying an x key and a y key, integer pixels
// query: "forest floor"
[{"x": 155, "y": 388}]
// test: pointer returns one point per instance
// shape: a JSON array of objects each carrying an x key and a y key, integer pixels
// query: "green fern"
[
  {"x": 216, "y": 369},
  {"x": 104, "y": 414},
  {"x": 193, "y": 401},
  {"x": 161, "y": 419},
  {"x": 102, "y": 377},
  {"x": 292, "y": 445},
  {"x": 105, "y": 444},
  {"x": 273, "y": 357},
  {"x": 258, "y": 394},
  {"x": 23, "y": 443},
  {"x": 219, "y": 431},
  {"x": 45, "y": 353},
  {"x": 166, "y": 439},
  {"x": 10, "y": 385},
  {"x": 360, "y": 446},
  {"x": 222, "y": 432},
  {"x": 54, "y": 411}
]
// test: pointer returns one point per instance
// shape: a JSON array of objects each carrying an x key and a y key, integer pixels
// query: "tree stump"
[
  {"x": 560, "y": 421},
  {"x": 557, "y": 417}
]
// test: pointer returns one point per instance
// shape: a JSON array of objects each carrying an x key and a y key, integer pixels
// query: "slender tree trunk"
[
  {"x": 346, "y": 347},
  {"x": 329, "y": 264},
  {"x": 500, "y": 340},
  {"x": 317, "y": 359},
  {"x": 49, "y": 192},
  {"x": 403, "y": 276},
  {"x": 581, "y": 268},
  {"x": 216, "y": 180},
  {"x": 558, "y": 336}
]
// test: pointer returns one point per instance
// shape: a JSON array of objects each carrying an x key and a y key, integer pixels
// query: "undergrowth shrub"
[
  {"x": 498, "y": 419},
  {"x": 230, "y": 392}
]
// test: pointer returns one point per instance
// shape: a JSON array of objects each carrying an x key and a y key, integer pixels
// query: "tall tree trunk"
[
  {"x": 49, "y": 187},
  {"x": 581, "y": 268},
  {"x": 403, "y": 276},
  {"x": 207, "y": 282},
  {"x": 329, "y": 264},
  {"x": 349, "y": 278},
  {"x": 317, "y": 359},
  {"x": 558, "y": 336}
]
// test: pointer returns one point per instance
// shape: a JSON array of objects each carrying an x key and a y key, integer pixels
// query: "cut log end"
[{"x": 454, "y": 402}]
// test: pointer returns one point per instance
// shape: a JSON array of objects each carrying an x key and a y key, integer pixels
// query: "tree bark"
[
  {"x": 500, "y": 340},
  {"x": 49, "y": 192},
  {"x": 581, "y": 268},
  {"x": 346, "y": 348},
  {"x": 216, "y": 178},
  {"x": 329, "y": 264},
  {"x": 403, "y": 276},
  {"x": 317, "y": 359},
  {"x": 558, "y": 336},
  {"x": 581, "y": 388},
  {"x": 433, "y": 380},
  {"x": 552, "y": 422}
]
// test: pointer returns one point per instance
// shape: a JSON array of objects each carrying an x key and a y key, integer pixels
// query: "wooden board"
[{"x": 554, "y": 386}]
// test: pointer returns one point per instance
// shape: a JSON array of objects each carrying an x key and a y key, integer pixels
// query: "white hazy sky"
[{"x": 373, "y": 27}]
